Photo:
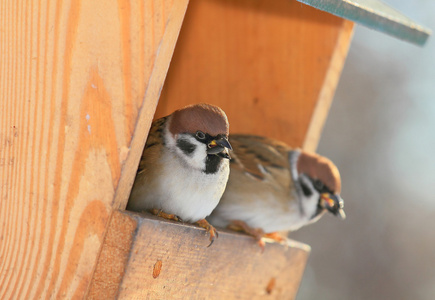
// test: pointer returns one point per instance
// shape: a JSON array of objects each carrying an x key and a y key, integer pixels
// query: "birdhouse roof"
[{"x": 376, "y": 15}]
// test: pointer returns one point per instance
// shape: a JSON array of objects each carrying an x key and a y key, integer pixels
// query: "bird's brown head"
[
  {"x": 208, "y": 124},
  {"x": 320, "y": 168},
  {"x": 202, "y": 117},
  {"x": 326, "y": 180}
]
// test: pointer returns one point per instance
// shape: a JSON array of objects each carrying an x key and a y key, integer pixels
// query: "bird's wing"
[
  {"x": 260, "y": 157},
  {"x": 153, "y": 146}
]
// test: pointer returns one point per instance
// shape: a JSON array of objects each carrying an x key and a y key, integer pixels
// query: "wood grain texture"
[
  {"x": 74, "y": 76},
  {"x": 113, "y": 258},
  {"x": 170, "y": 260},
  {"x": 264, "y": 62}
]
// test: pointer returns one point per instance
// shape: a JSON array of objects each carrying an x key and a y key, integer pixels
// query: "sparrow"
[
  {"x": 184, "y": 166},
  {"x": 273, "y": 188}
]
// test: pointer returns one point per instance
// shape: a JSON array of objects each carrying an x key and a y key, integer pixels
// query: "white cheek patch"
[
  {"x": 309, "y": 203},
  {"x": 293, "y": 160},
  {"x": 195, "y": 158}
]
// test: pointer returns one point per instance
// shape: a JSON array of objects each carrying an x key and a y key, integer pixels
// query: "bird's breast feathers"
[{"x": 189, "y": 193}]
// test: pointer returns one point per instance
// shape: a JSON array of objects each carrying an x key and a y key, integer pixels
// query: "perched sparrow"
[
  {"x": 184, "y": 166},
  {"x": 273, "y": 188}
]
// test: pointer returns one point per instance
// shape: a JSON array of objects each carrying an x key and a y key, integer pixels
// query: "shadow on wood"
[{"x": 272, "y": 66}]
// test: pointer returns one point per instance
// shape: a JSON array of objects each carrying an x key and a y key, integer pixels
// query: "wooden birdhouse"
[{"x": 80, "y": 83}]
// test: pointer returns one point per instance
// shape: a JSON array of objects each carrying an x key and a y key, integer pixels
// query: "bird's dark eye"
[
  {"x": 200, "y": 135},
  {"x": 318, "y": 185}
]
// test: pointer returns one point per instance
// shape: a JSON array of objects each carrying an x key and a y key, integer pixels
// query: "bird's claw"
[
  {"x": 210, "y": 229},
  {"x": 275, "y": 236},
  {"x": 161, "y": 214},
  {"x": 257, "y": 233},
  {"x": 241, "y": 226},
  {"x": 262, "y": 244}
]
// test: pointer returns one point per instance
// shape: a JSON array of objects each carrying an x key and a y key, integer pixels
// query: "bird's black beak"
[
  {"x": 333, "y": 203},
  {"x": 223, "y": 142},
  {"x": 218, "y": 146}
]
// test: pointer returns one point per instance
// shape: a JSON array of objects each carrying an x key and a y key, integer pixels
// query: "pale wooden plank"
[
  {"x": 321, "y": 110},
  {"x": 170, "y": 260},
  {"x": 146, "y": 112},
  {"x": 264, "y": 62},
  {"x": 76, "y": 77}
]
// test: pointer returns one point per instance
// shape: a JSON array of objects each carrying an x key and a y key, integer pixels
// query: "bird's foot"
[
  {"x": 209, "y": 228},
  {"x": 256, "y": 233},
  {"x": 160, "y": 213},
  {"x": 275, "y": 236}
]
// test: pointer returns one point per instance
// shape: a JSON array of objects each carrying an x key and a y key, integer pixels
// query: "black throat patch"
[{"x": 212, "y": 163}]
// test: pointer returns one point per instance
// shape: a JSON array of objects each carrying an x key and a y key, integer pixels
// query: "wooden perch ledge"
[{"x": 152, "y": 258}]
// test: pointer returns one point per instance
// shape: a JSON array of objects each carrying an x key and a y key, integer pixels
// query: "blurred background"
[{"x": 381, "y": 134}]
